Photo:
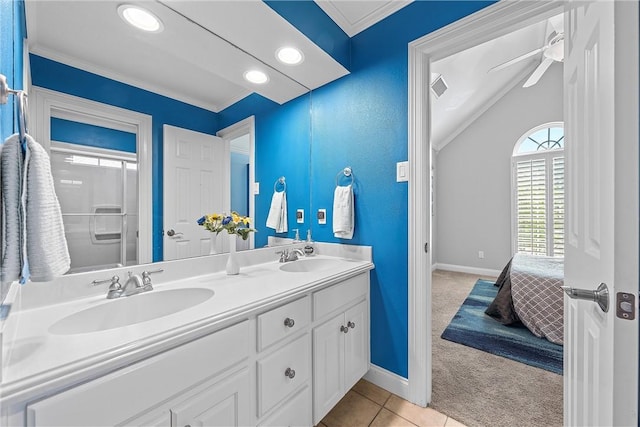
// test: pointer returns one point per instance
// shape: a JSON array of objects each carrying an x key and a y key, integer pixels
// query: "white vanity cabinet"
[
  {"x": 281, "y": 363},
  {"x": 340, "y": 342},
  {"x": 159, "y": 389}
]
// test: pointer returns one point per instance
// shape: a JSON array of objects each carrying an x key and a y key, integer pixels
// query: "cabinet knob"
[
  {"x": 289, "y": 322},
  {"x": 344, "y": 329},
  {"x": 290, "y": 373},
  {"x": 351, "y": 325}
]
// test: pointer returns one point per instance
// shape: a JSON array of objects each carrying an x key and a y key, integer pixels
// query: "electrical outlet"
[
  {"x": 481, "y": 254},
  {"x": 300, "y": 216},
  {"x": 322, "y": 216}
]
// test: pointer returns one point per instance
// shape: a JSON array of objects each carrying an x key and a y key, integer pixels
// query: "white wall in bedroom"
[{"x": 473, "y": 176}]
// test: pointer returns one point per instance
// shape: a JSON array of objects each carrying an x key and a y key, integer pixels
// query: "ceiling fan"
[{"x": 552, "y": 51}]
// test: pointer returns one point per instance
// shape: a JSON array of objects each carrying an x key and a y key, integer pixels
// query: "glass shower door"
[{"x": 97, "y": 190}]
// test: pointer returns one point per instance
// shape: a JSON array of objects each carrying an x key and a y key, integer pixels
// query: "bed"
[{"x": 530, "y": 292}]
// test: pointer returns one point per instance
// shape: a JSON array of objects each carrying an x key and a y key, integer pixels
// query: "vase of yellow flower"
[{"x": 235, "y": 225}]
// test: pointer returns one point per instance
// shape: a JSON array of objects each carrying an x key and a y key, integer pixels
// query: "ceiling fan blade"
[
  {"x": 517, "y": 59},
  {"x": 538, "y": 72}
]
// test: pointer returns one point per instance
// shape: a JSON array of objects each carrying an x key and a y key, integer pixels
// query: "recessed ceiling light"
[
  {"x": 255, "y": 76},
  {"x": 289, "y": 55},
  {"x": 140, "y": 18}
]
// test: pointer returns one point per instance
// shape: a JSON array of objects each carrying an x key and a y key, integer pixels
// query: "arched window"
[{"x": 538, "y": 191}]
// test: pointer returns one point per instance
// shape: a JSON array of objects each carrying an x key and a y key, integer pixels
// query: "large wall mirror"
[{"x": 112, "y": 192}]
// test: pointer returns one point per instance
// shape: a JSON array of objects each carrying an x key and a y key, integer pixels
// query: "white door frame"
[
  {"x": 45, "y": 103},
  {"x": 243, "y": 127},
  {"x": 489, "y": 23}
]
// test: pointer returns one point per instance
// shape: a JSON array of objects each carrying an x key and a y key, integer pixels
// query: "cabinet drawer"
[
  {"x": 273, "y": 382},
  {"x": 130, "y": 391},
  {"x": 283, "y": 321},
  {"x": 328, "y": 300},
  {"x": 295, "y": 412}
]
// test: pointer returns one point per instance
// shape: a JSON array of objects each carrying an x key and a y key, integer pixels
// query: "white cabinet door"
[
  {"x": 226, "y": 403},
  {"x": 328, "y": 366},
  {"x": 356, "y": 345},
  {"x": 296, "y": 412}
]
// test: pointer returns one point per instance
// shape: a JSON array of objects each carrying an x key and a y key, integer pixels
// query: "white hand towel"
[
  {"x": 47, "y": 251},
  {"x": 12, "y": 224},
  {"x": 343, "y": 212},
  {"x": 277, "y": 218}
]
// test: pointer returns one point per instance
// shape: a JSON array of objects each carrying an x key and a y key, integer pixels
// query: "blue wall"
[
  {"x": 12, "y": 32},
  {"x": 359, "y": 120},
  {"x": 62, "y": 78},
  {"x": 240, "y": 183},
  {"x": 92, "y": 136}
]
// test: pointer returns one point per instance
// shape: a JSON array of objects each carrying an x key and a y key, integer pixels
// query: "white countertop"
[{"x": 35, "y": 360}]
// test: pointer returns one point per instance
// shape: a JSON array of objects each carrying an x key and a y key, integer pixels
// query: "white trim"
[
  {"x": 466, "y": 269},
  {"x": 489, "y": 23},
  {"x": 45, "y": 103},
  {"x": 353, "y": 28},
  {"x": 389, "y": 381},
  {"x": 243, "y": 127}
]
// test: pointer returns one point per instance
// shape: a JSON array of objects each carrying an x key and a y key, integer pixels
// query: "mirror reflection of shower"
[{"x": 97, "y": 190}]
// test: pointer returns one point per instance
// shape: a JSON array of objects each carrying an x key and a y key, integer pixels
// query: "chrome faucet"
[
  {"x": 135, "y": 284},
  {"x": 290, "y": 255}
]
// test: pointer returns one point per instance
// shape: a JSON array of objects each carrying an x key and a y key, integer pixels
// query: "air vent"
[{"x": 438, "y": 86}]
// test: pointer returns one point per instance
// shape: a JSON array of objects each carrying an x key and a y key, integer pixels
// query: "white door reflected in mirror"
[{"x": 196, "y": 182}]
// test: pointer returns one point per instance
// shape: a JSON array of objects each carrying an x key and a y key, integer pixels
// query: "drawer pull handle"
[
  {"x": 289, "y": 322},
  {"x": 351, "y": 325},
  {"x": 344, "y": 329},
  {"x": 290, "y": 373}
]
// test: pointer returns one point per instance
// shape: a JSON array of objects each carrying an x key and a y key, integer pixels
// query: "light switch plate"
[
  {"x": 256, "y": 188},
  {"x": 300, "y": 216},
  {"x": 322, "y": 216},
  {"x": 402, "y": 171}
]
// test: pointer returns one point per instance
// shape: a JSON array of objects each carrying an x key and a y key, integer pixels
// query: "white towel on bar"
[
  {"x": 47, "y": 251},
  {"x": 343, "y": 212},
  {"x": 277, "y": 218},
  {"x": 12, "y": 177}
]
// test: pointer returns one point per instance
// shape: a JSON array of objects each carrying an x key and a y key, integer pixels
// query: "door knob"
[
  {"x": 599, "y": 296},
  {"x": 172, "y": 233}
]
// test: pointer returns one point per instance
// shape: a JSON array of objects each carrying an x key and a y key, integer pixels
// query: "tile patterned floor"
[{"x": 369, "y": 405}]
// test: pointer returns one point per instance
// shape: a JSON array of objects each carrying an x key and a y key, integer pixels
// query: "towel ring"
[
  {"x": 281, "y": 181},
  {"x": 346, "y": 172}
]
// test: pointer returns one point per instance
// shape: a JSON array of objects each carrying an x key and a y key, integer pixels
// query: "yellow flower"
[{"x": 235, "y": 217}]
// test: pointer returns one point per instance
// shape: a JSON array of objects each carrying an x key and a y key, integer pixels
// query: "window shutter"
[
  {"x": 558, "y": 206},
  {"x": 531, "y": 206}
]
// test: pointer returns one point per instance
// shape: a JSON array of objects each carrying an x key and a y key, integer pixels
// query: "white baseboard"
[
  {"x": 389, "y": 381},
  {"x": 465, "y": 269}
]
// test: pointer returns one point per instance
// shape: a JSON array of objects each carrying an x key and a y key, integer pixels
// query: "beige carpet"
[{"x": 481, "y": 389}]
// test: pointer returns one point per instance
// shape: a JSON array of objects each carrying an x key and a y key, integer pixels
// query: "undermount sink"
[
  {"x": 130, "y": 310},
  {"x": 307, "y": 265}
]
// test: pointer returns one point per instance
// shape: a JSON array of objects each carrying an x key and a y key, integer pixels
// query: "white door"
[
  {"x": 601, "y": 350},
  {"x": 196, "y": 182}
]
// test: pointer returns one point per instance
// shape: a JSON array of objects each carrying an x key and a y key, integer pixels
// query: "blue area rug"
[{"x": 473, "y": 328}]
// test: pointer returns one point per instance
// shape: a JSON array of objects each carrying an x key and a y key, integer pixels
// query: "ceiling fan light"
[
  {"x": 256, "y": 76},
  {"x": 140, "y": 18},
  {"x": 289, "y": 55}
]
